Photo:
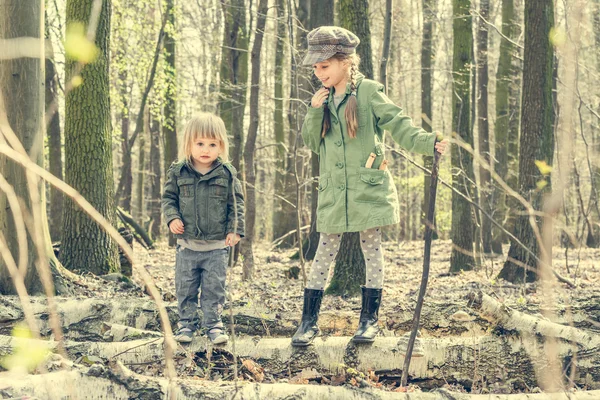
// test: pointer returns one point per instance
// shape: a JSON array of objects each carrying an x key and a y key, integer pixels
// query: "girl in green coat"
[{"x": 345, "y": 126}]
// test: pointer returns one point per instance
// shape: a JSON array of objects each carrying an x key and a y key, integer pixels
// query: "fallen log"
[
  {"x": 83, "y": 319},
  {"x": 117, "y": 382},
  {"x": 508, "y": 360}
]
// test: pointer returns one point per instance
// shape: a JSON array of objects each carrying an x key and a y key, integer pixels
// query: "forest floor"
[
  {"x": 276, "y": 300},
  {"x": 274, "y": 296}
]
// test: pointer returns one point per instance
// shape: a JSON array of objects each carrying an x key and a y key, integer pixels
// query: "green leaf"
[
  {"x": 27, "y": 353},
  {"x": 544, "y": 168},
  {"x": 541, "y": 184},
  {"x": 558, "y": 36},
  {"x": 77, "y": 46}
]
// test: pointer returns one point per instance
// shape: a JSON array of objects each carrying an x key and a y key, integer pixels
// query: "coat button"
[
  {"x": 372, "y": 180},
  {"x": 335, "y": 121},
  {"x": 340, "y": 165},
  {"x": 342, "y": 187},
  {"x": 338, "y": 143}
]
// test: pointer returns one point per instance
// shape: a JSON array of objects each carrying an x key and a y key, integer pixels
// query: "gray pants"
[{"x": 204, "y": 272}]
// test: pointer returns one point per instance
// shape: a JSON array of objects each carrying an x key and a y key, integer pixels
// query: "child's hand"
[
  {"x": 176, "y": 226},
  {"x": 232, "y": 239},
  {"x": 440, "y": 147},
  {"x": 320, "y": 96}
]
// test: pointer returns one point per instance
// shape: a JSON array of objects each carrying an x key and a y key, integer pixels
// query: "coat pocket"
[
  {"x": 186, "y": 187},
  {"x": 326, "y": 196},
  {"x": 218, "y": 187},
  {"x": 371, "y": 188}
]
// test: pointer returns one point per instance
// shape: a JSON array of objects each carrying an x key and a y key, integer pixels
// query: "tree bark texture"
[
  {"x": 169, "y": 127},
  {"x": 284, "y": 183},
  {"x": 88, "y": 152},
  {"x": 234, "y": 74},
  {"x": 155, "y": 179},
  {"x": 462, "y": 162},
  {"x": 426, "y": 106},
  {"x": 387, "y": 37},
  {"x": 486, "y": 189},
  {"x": 21, "y": 85},
  {"x": 54, "y": 133},
  {"x": 503, "y": 116},
  {"x": 250, "y": 146},
  {"x": 354, "y": 16},
  {"x": 349, "y": 273},
  {"x": 123, "y": 106},
  {"x": 537, "y": 136},
  {"x": 141, "y": 170}
]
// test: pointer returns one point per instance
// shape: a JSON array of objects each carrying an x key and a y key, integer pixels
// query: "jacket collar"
[{"x": 187, "y": 165}]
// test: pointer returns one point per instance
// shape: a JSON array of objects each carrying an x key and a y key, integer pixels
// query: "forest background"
[{"x": 512, "y": 83}]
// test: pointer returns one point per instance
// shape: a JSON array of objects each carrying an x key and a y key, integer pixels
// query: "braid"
[
  {"x": 326, "y": 120},
  {"x": 352, "y": 105}
]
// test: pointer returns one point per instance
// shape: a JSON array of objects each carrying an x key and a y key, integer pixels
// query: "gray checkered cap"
[{"x": 325, "y": 41}]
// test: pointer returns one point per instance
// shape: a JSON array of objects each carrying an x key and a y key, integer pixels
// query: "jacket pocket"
[
  {"x": 370, "y": 186},
  {"x": 326, "y": 197},
  {"x": 186, "y": 187},
  {"x": 218, "y": 187}
]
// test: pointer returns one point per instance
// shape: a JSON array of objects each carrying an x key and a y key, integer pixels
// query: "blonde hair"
[
  {"x": 207, "y": 126},
  {"x": 351, "y": 105}
]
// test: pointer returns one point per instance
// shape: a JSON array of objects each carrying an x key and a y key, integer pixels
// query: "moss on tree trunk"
[{"x": 88, "y": 152}]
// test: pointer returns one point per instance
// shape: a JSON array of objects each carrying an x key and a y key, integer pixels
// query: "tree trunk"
[
  {"x": 503, "y": 116},
  {"x": 593, "y": 234},
  {"x": 354, "y": 16},
  {"x": 462, "y": 257},
  {"x": 349, "y": 272},
  {"x": 169, "y": 128},
  {"x": 123, "y": 106},
  {"x": 284, "y": 186},
  {"x": 234, "y": 74},
  {"x": 515, "y": 90},
  {"x": 88, "y": 153},
  {"x": 486, "y": 192},
  {"x": 426, "y": 106},
  {"x": 155, "y": 175},
  {"x": 250, "y": 147},
  {"x": 141, "y": 172},
  {"x": 22, "y": 104},
  {"x": 387, "y": 37},
  {"x": 55, "y": 165},
  {"x": 537, "y": 136}
]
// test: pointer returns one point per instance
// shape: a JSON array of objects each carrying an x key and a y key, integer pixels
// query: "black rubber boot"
[
  {"x": 369, "y": 315},
  {"x": 308, "y": 328}
]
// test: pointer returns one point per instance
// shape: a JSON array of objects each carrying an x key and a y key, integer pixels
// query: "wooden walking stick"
[{"x": 425, "y": 276}]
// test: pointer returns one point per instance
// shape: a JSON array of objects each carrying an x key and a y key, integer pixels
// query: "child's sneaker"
[
  {"x": 217, "y": 336},
  {"x": 184, "y": 335}
]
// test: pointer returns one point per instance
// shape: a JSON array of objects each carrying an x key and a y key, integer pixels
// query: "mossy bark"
[
  {"x": 88, "y": 151},
  {"x": 462, "y": 257}
]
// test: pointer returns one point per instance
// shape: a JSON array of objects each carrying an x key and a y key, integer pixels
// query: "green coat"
[
  {"x": 353, "y": 198},
  {"x": 205, "y": 203}
]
